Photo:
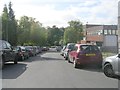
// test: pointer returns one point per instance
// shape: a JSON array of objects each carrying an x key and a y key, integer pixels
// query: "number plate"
[{"x": 90, "y": 54}]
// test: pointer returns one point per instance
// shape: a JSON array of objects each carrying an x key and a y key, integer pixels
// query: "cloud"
[{"x": 59, "y": 12}]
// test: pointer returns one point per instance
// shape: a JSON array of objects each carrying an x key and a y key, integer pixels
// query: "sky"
[{"x": 60, "y": 12}]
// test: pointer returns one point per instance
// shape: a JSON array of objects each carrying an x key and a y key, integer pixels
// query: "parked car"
[
  {"x": 30, "y": 50},
  {"x": 23, "y": 53},
  {"x": 68, "y": 48},
  {"x": 7, "y": 53},
  {"x": 111, "y": 66},
  {"x": 83, "y": 54},
  {"x": 58, "y": 48},
  {"x": 35, "y": 50},
  {"x": 62, "y": 50},
  {"x": 39, "y": 49},
  {"x": 45, "y": 48}
]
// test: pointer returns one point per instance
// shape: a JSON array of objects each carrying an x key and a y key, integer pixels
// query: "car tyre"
[
  {"x": 22, "y": 58},
  {"x": 108, "y": 71},
  {"x": 75, "y": 64},
  {"x": 66, "y": 58},
  {"x": 16, "y": 60}
]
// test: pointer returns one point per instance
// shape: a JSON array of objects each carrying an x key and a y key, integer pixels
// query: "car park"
[
  {"x": 83, "y": 54},
  {"x": 39, "y": 49},
  {"x": 23, "y": 53},
  {"x": 68, "y": 48},
  {"x": 7, "y": 53},
  {"x": 35, "y": 50},
  {"x": 111, "y": 66},
  {"x": 30, "y": 50}
]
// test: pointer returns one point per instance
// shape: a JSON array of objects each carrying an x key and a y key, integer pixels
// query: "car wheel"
[
  {"x": 16, "y": 60},
  {"x": 75, "y": 65},
  {"x": 108, "y": 71},
  {"x": 22, "y": 58},
  {"x": 65, "y": 56}
]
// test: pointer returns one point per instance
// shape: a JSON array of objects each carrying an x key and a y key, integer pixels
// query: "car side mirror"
[{"x": 119, "y": 55}]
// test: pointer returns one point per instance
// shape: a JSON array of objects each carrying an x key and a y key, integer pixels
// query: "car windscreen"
[{"x": 71, "y": 46}]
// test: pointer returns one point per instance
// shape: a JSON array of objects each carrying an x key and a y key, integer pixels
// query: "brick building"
[{"x": 96, "y": 34}]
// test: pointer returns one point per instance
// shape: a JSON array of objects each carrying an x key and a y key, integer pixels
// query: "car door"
[
  {"x": 117, "y": 64},
  {"x": 5, "y": 51},
  {"x": 10, "y": 52}
]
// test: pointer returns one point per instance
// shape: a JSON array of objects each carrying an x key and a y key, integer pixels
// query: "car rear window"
[
  {"x": 95, "y": 49},
  {"x": 89, "y": 48}
]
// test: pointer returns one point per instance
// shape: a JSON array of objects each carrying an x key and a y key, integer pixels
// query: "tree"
[
  {"x": 55, "y": 35},
  {"x": 5, "y": 23},
  {"x": 24, "y": 29},
  {"x": 74, "y": 32},
  {"x": 31, "y": 32},
  {"x": 12, "y": 25}
]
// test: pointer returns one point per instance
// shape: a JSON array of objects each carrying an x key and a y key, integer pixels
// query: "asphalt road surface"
[{"x": 50, "y": 70}]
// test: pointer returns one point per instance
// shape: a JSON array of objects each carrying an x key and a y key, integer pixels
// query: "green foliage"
[
  {"x": 55, "y": 34},
  {"x": 9, "y": 25},
  {"x": 74, "y": 32},
  {"x": 5, "y": 23},
  {"x": 31, "y": 32}
]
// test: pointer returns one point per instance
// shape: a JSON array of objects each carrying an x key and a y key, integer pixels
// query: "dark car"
[
  {"x": 31, "y": 50},
  {"x": 83, "y": 54},
  {"x": 45, "y": 48},
  {"x": 23, "y": 53},
  {"x": 7, "y": 53}
]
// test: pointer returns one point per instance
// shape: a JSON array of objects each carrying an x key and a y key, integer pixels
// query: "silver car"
[{"x": 111, "y": 66}]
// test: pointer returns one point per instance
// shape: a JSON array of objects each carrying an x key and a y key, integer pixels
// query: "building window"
[
  {"x": 109, "y": 32},
  {"x": 105, "y": 32},
  {"x": 114, "y": 32}
]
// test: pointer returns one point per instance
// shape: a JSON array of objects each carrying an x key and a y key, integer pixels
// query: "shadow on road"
[
  {"x": 49, "y": 58},
  {"x": 34, "y": 58},
  {"x": 11, "y": 71},
  {"x": 91, "y": 68}
]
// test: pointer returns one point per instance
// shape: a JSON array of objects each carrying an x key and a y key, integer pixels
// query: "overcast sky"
[{"x": 59, "y": 12}]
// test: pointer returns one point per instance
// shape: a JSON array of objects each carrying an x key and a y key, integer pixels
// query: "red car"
[{"x": 85, "y": 54}]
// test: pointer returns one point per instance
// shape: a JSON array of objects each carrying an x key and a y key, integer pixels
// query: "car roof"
[{"x": 84, "y": 44}]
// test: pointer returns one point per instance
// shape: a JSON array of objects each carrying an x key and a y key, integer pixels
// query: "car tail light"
[{"x": 21, "y": 53}]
